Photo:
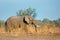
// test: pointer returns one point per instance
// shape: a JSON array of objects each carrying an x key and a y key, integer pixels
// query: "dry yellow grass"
[
  {"x": 48, "y": 30},
  {"x": 31, "y": 30}
]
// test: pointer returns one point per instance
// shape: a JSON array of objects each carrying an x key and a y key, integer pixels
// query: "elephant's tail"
[{"x": 6, "y": 25}]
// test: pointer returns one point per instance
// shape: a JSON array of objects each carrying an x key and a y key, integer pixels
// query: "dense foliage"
[{"x": 29, "y": 12}]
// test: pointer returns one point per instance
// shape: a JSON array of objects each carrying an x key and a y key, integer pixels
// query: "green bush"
[
  {"x": 1, "y": 22},
  {"x": 57, "y": 22}
]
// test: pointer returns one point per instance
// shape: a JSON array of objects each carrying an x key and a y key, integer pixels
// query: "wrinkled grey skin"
[{"x": 15, "y": 22}]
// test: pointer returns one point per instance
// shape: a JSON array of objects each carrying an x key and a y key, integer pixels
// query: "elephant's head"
[{"x": 28, "y": 20}]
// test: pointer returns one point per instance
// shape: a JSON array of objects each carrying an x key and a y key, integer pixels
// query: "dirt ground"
[{"x": 32, "y": 37}]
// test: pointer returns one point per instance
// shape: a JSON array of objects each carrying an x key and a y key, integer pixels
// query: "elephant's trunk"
[{"x": 35, "y": 26}]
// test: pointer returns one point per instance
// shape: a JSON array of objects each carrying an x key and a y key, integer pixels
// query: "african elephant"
[{"x": 15, "y": 22}]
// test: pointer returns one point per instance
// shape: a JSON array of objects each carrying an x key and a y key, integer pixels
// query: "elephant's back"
[
  {"x": 12, "y": 19},
  {"x": 15, "y": 18}
]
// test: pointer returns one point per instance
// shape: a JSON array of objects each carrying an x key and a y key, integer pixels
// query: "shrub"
[{"x": 1, "y": 22}]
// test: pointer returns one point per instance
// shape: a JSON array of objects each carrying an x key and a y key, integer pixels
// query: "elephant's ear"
[{"x": 26, "y": 20}]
